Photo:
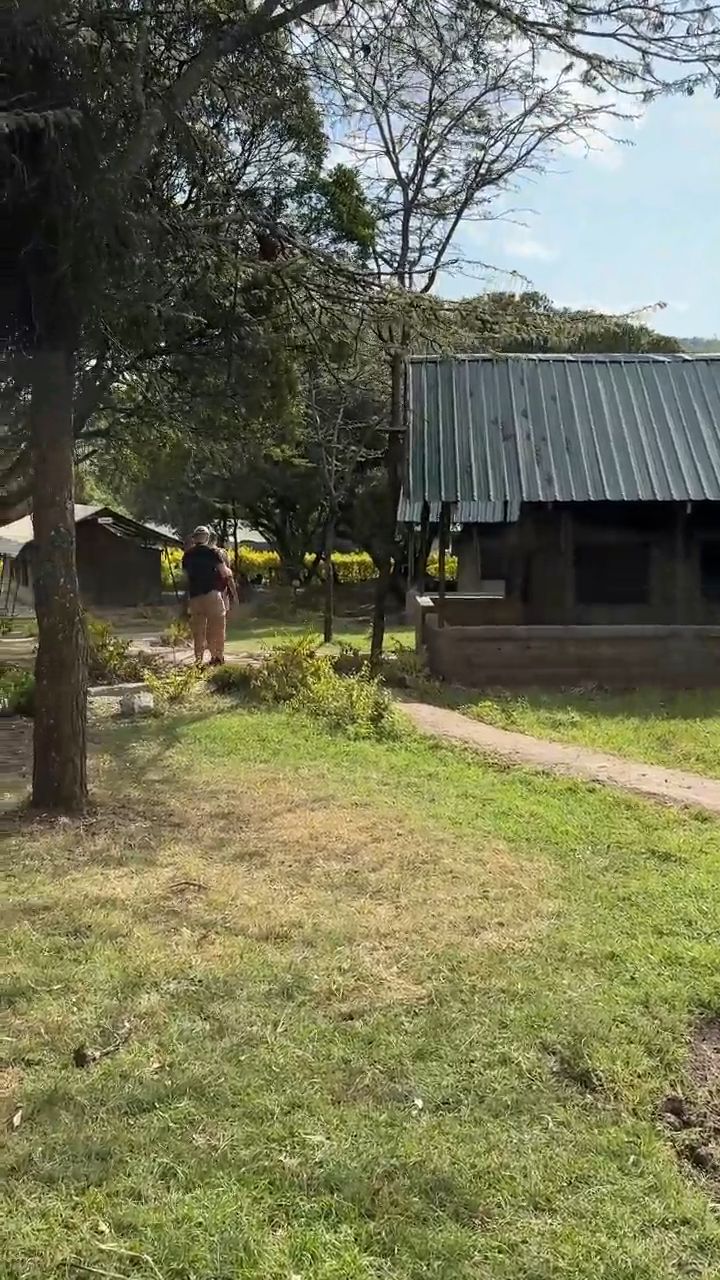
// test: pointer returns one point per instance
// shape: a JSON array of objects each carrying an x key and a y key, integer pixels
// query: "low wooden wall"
[{"x": 622, "y": 657}]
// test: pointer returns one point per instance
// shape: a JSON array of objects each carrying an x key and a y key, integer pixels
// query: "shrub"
[
  {"x": 109, "y": 658},
  {"x": 17, "y": 692},
  {"x": 295, "y": 674},
  {"x": 177, "y": 634},
  {"x": 230, "y": 679},
  {"x": 173, "y": 686},
  {"x": 404, "y": 668},
  {"x": 351, "y": 566},
  {"x": 6, "y": 626},
  {"x": 349, "y": 661},
  {"x": 287, "y": 669},
  {"x": 358, "y": 705}
]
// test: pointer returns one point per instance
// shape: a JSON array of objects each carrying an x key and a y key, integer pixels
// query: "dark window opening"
[
  {"x": 612, "y": 573},
  {"x": 710, "y": 570}
]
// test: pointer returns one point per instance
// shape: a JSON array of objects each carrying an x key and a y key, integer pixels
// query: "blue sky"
[{"x": 624, "y": 227}]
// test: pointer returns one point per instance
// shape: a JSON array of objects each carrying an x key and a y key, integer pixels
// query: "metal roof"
[
  {"x": 558, "y": 428},
  {"x": 14, "y": 537},
  {"x": 463, "y": 512}
]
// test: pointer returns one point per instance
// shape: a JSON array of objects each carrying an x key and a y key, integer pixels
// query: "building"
[
  {"x": 118, "y": 559},
  {"x": 584, "y": 495}
]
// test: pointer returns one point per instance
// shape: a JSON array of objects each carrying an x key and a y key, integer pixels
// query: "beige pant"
[{"x": 207, "y": 619}]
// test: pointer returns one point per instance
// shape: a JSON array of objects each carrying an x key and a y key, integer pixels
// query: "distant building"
[
  {"x": 584, "y": 492},
  {"x": 118, "y": 559}
]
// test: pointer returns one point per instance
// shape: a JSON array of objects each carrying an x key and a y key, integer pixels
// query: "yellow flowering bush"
[{"x": 351, "y": 566}]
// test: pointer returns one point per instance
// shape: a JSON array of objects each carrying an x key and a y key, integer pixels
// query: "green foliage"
[
  {"x": 403, "y": 668},
  {"x": 231, "y": 679},
  {"x": 358, "y": 705},
  {"x": 6, "y": 626},
  {"x": 17, "y": 692},
  {"x": 173, "y": 686},
  {"x": 339, "y": 205},
  {"x": 355, "y": 704},
  {"x": 351, "y": 567},
  {"x": 109, "y": 658},
  {"x": 287, "y": 669},
  {"x": 177, "y": 634}
]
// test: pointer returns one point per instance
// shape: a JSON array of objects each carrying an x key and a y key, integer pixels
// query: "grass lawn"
[
  {"x": 379, "y": 1011},
  {"x": 680, "y": 729},
  {"x": 251, "y": 634}
]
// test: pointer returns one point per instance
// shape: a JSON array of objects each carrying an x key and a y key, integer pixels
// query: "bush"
[
  {"x": 287, "y": 669},
  {"x": 358, "y": 705},
  {"x": 173, "y": 686},
  {"x": 230, "y": 679},
  {"x": 177, "y": 634},
  {"x": 351, "y": 566},
  {"x": 296, "y": 675},
  {"x": 17, "y": 692},
  {"x": 404, "y": 668},
  {"x": 109, "y": 658}
]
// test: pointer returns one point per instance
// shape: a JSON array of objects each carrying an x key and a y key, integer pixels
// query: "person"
[
  {"x": 229, "y": 589},
  {"x": 205, "y": 571}
]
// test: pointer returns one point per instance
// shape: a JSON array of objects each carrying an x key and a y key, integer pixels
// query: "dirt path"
[{"x": 671, "y": 786}]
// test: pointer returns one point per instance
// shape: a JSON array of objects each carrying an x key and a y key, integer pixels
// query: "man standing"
[{"x": 206, "y": 572}]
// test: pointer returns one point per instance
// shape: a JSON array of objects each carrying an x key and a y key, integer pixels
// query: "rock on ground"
[{"x": 137, "y": 704}]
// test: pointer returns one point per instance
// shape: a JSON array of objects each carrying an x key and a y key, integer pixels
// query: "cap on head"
[{"x": 201, "y": 535}]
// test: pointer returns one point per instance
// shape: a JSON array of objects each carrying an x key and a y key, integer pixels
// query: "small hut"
[
  {"x": 583, "y": 496},
  {"x": 118, "y": 560}
]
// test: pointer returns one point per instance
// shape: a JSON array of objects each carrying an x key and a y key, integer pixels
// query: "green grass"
[
  {"x": 253, "y": 634},
  {"x": 307, "y": 938},
  {"x": 680, "y": 729}
]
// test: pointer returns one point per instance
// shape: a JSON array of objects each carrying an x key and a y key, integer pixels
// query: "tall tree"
[
  {"x": 113, "y": 122},
  {"x": 443, "y": 104}
]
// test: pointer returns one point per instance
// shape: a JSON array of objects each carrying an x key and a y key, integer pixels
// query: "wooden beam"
[
  {"x": 680, "y": 561},
  {"x": 567, "y": 550},
  {"x": 441, "y": 563}
]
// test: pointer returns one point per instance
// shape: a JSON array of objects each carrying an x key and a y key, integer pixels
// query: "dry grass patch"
[
  {"x": 181, "y": 879},
  {"x": 289, "y": 1005}
]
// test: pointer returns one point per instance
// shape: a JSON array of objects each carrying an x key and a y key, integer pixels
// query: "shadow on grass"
[{"x": 135, "y": 753}]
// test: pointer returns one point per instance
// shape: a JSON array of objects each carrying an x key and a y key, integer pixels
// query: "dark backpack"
[{"x": 223, "y": 578}]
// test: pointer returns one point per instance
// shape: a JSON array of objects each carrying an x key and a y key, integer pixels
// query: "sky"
[{"x": 625, "y": 227}]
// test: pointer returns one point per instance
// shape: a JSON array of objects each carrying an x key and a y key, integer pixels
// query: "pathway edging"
[{"x": 669, "y": 786}]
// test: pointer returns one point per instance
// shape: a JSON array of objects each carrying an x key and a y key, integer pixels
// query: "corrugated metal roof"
[
  {"x": 588, "y": 428},
  {"x": 463, "y": 512},
  {"x": 19, "y": 534}
]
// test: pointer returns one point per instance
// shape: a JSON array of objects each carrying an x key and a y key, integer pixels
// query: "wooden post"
[
  {"x": 441, "y": 564},
  {"x": 680, "y": 565},
  {"x": 411, "y": 558},
  {"x": 568, "y": 566}
]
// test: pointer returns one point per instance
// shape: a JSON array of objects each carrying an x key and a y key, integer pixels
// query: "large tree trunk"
[
  {"x": 393, "y": 469},
  {"x": 59, "y": 767}
]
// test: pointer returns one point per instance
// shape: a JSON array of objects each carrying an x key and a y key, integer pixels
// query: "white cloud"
[{"x": 519, "y": 243}]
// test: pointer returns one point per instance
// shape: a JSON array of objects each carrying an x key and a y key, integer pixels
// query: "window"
[
  {"x": 612, "y": 573},
  {"x": 710, "y": 570}
]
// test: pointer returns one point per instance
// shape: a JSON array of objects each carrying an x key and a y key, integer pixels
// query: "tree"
[
  {"x": 443, "y": 103},
  {"x": 111, "y": 121},
  {"x": 441, "y": 113}
]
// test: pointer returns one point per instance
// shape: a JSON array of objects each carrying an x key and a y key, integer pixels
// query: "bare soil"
[{"x": 693, "y": 1120}]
